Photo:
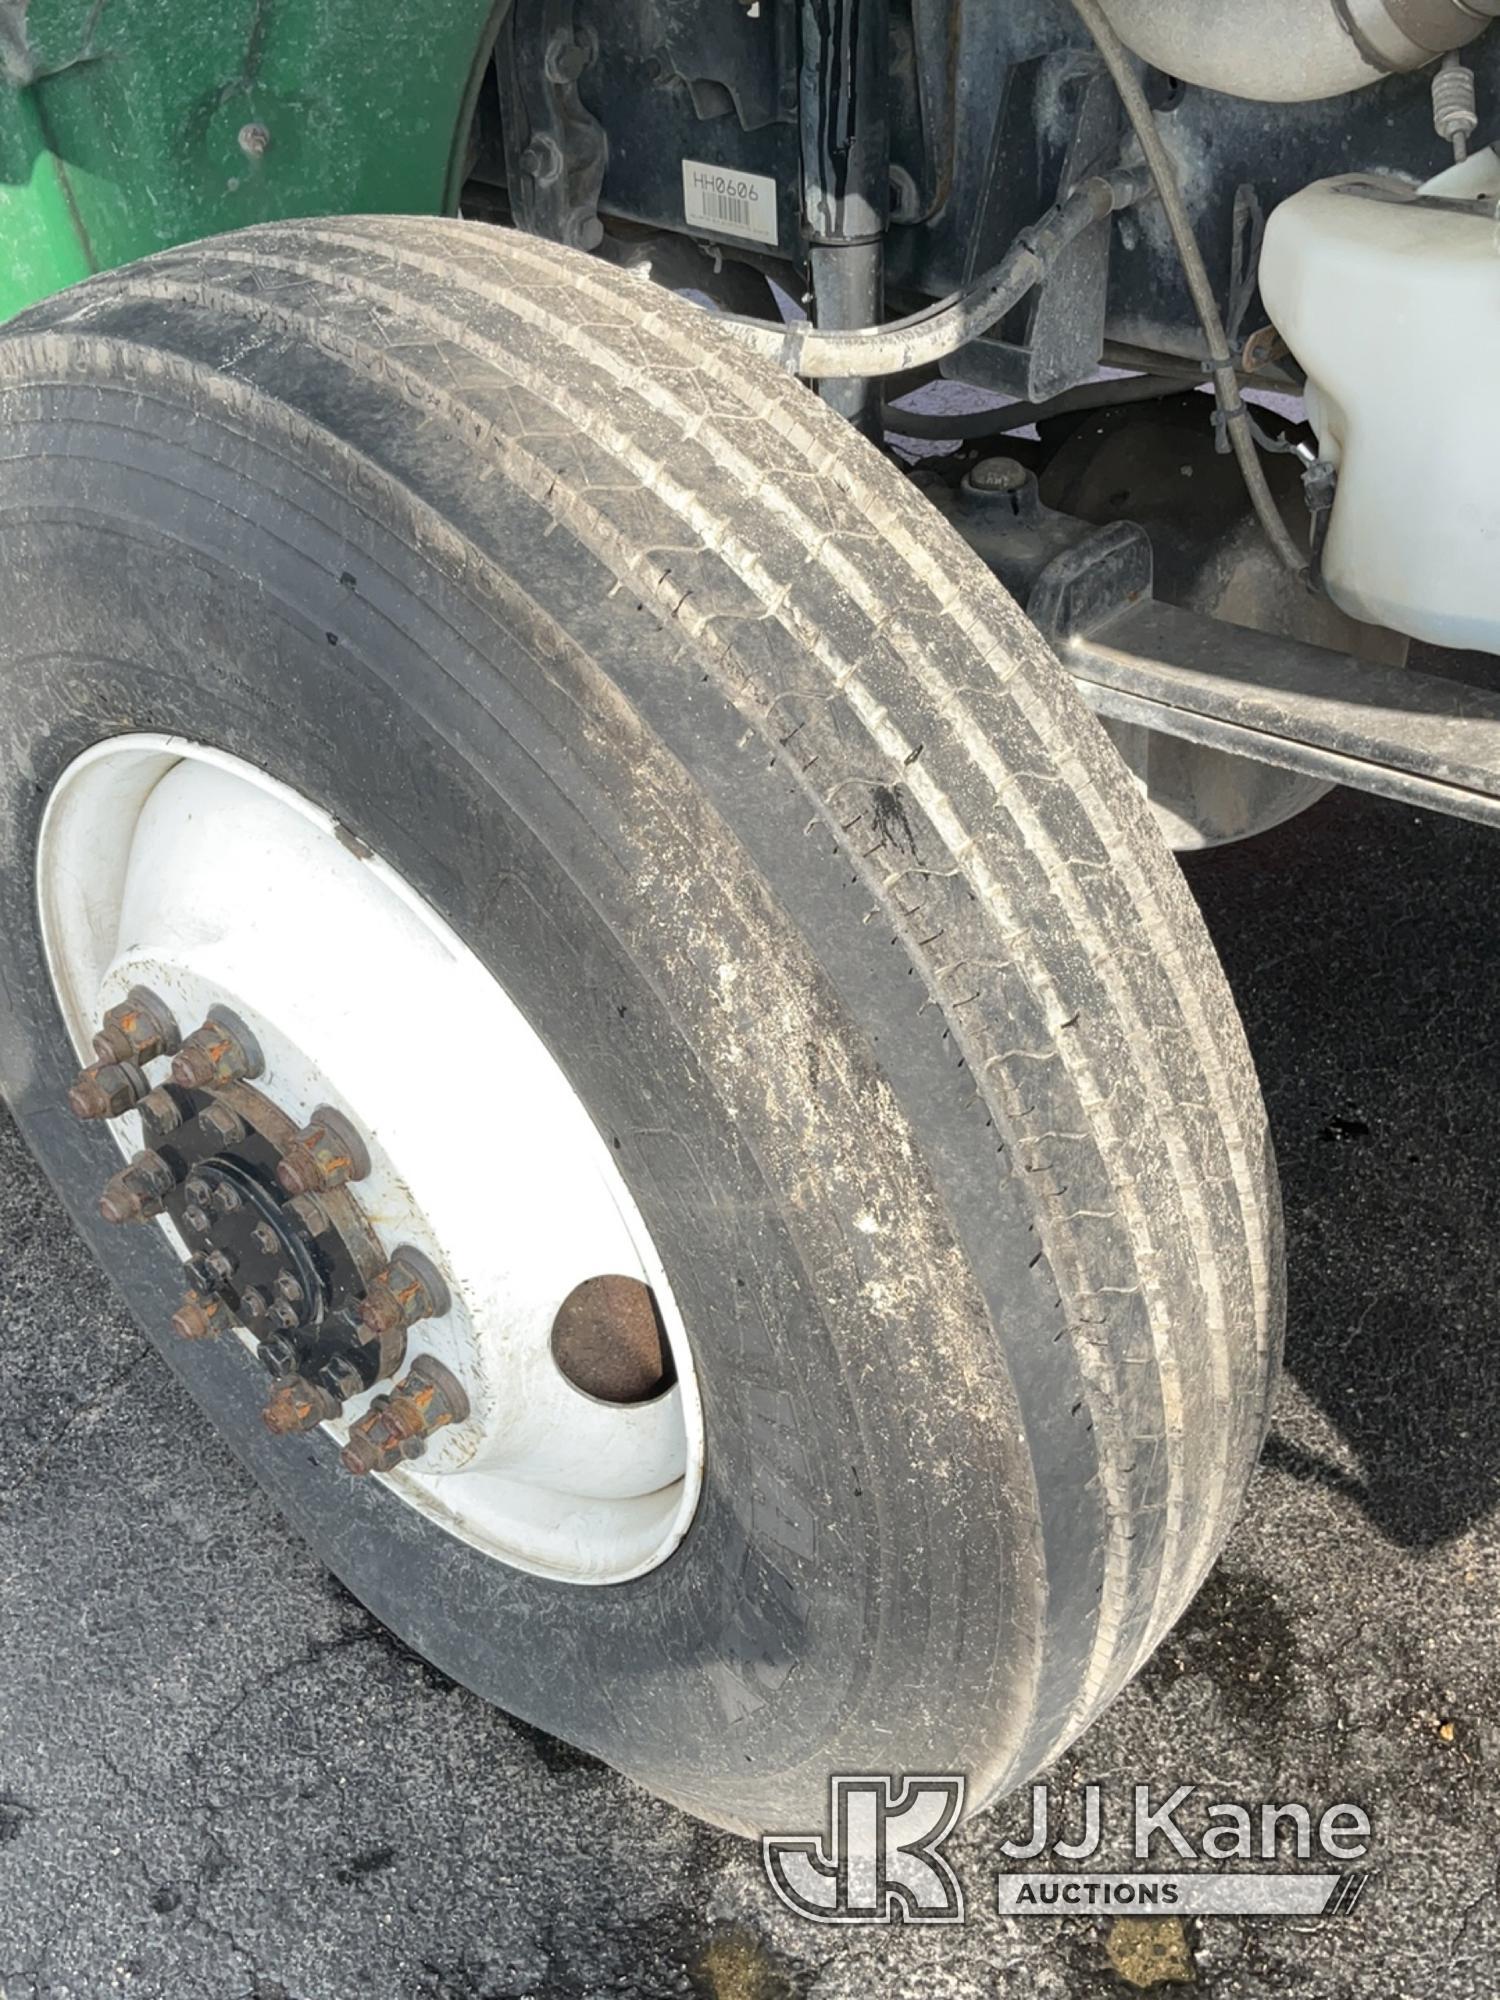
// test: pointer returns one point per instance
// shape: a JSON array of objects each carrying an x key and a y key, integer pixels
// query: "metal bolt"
[
  {"x": 138, "y": 1191},
  {"x": 340, "y": 1378},
  {"x": 225, "y": 1125},
  {"x": 542, "y": 160},
  {"x": 254, "y": 141},
  {"x": 288, "y": 1289},
  {"x": 222, "y": 1051},
  {"x": 265, "y": 1239},
  {"x": 398, "y": 1426},
  {"x": 311, "y": 1213},
  {"x": 278, "y": 1355},
  {"x": 299, "y": 1405},
  {"x": 197, "y": 1317},
  {"x": 198, "y": 1275},
  {"x": 107, "y": 1089},
  {"x": 284, "y": 1316},
  {"x": 161, "y": 1113},
  {"x": 998, "y": 475},
  {"x": 197, "y": 1218},
  {"x": 325, "y": 1154},
  {"x": 408, "y": 1290},
  {"x": 253, "y": 1303},
  {"x": 226, "y": 1198},
  {"x": 220, "y": 1266},
  {"x": 566, "y": 58},
  {"x": 197, "y": 1189},
  {"x": 139, "y": 1030}
]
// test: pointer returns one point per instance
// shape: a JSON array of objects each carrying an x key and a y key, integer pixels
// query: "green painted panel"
[{"x": 121, "y": 120}]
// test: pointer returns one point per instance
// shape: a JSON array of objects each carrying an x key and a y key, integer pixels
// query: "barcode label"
[{"x": 729, "y": 203}]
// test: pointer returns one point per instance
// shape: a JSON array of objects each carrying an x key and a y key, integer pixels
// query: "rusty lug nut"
[
  {"x": 410, "y": 1289},
  {"x": 138, "y": 1191},
  {"x": 287, "y": 1288},
  {"x": 397, "y": 1427},
  {"x": 263, "y": 1236},
  {"x": 222, "y": 1051},
  {"x": 139, "y": 1030},
  {"x": 299, "y": 1405},
  {"x": 220, "y": 1265},
  {"x": 197, "y": 1218},
  {"x": 197, "y": 1189},
  {"x": 226, "y": 1198},
  {"x": 197, "y": 1317},
  {"x": 161, "y": 1113},
  {"x": 325, "y": 1154},
  {"x": 225, "y": 1125},
  {"x": 253, "y": 1303},
  {"x": 283, "y": 1315},
  {"x": 106, "y": 1089}
]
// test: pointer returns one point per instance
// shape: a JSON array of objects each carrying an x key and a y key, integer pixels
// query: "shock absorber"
[{"x": 843, "y": 113}]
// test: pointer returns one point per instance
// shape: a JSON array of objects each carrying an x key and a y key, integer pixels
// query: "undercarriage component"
[
  {"x": 1414, "y": 737},
  {"x": 1282, "y": 51}
]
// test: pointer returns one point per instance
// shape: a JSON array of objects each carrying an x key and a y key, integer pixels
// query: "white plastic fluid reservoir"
[{"x": 1389, "y": 297}]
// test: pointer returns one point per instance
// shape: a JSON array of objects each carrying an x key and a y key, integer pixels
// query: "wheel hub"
[
  {"x": 275, "y": 1241},
  {"x": 482, "y": 1322}
]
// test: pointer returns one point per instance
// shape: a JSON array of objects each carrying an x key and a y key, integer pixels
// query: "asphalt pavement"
[{"x": 219, "y": 1777}]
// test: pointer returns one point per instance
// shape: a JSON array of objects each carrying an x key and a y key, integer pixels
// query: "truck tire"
[{"x": 747, "y": 785}]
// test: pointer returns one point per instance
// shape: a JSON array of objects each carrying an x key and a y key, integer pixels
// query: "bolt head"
[
  {"x": 283, "y": 1315},
  {"x": 220, "y": 1264},
  {"x": 277, "y": 1355},
  {"x": 253, "y": 1303},
  {"x": 998, "y": 475},
  {"x": 226, "y": 1198},
  {"x": 107, "y": 1090},
  {"x": 264, "y": 1238},
  {"x": 254, "y": 140},
  {"x": 196, "y": 1318},
  {"x": 196, "y": 1218},
  {"x": 288, "y": 1289}
]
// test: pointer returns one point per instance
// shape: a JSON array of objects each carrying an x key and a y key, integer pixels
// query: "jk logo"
[{"x": 881, "y": 1859}]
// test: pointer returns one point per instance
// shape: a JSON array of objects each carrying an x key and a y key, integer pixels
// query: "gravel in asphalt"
[{"x": 219, "y": 1777}]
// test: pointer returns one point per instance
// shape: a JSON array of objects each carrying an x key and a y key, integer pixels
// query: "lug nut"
[
  {"x": 253, "y": 1303},
  {"x": 283, "y": 1315},
  {"x": 197, "y": 1218},
  {"x": 263, "y": 1236},
  {"x": 326, "y": 1154},
  {"x": 197, "y": 1317},
  {"x": 138, "y": 1191},
  {"x": 222, "y": 1051},
  {"x": 219, "y": 1265},
  {"x": 311, "y": 1213},
  {"x": 287, "y": 1288},
  {"x": 225, "y": 1125},
  {"x": 410, "y": 1289},
  {"x": 139, "y": 1030},
  {"x": 278, "y": 1355},
  {"x": 226, "y": 1198},
  {"x": 197, "y": 1189},
  {"x": 397, "y": 1427},
  {"x": 161, "y": 1112},
  {"x": 340, "y": 1378},
  {"x": 299, "y": 1405},
  {"x": 107, "y": 1089},
  {"x": 198, "y": 1275}
]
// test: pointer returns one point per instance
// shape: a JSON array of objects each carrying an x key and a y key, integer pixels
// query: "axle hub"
[{"x": 276, "y": 1241}]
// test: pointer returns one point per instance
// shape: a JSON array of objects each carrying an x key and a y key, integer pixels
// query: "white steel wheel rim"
[{"x": 165, "y": 864}]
